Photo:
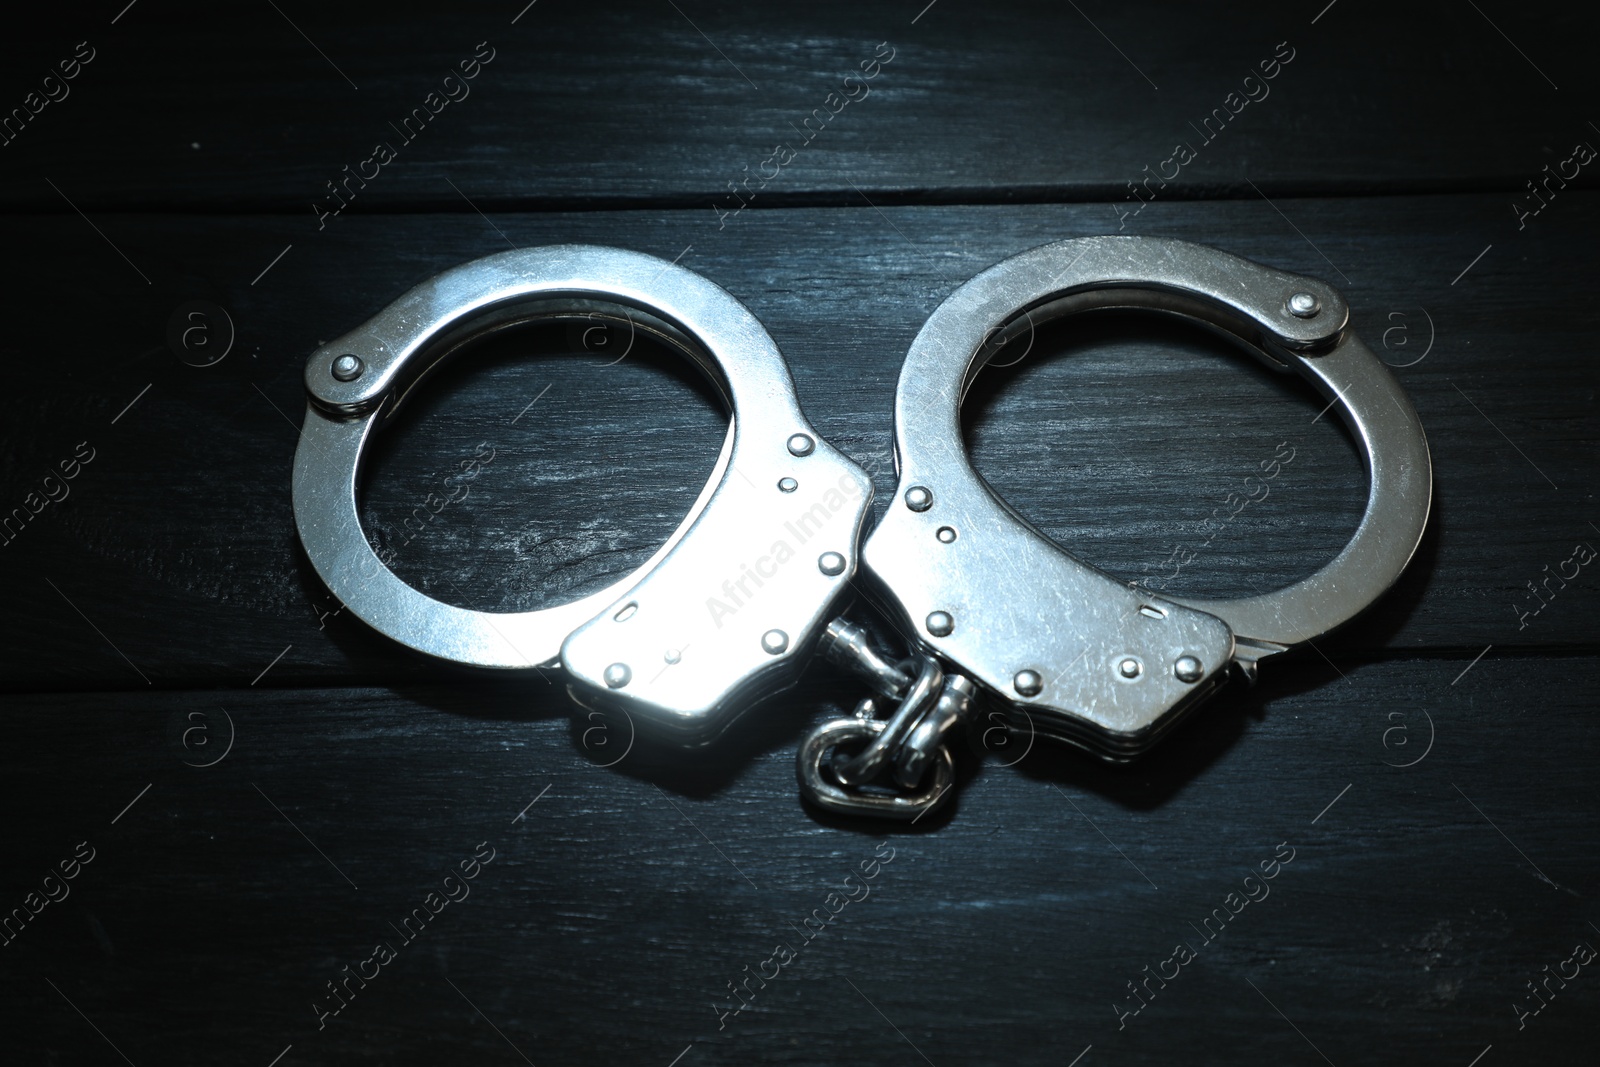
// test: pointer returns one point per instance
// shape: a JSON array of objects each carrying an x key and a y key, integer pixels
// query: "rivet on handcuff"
[{"x": 993, "y": 611}]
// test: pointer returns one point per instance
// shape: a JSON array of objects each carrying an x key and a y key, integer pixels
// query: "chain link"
[{"x": 908, "y": 747}]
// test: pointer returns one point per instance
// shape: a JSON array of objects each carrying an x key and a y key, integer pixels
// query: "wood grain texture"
[
  {"x": 621, "y": 904},
  {"x": 269, "y": 788},
  {"x": 177, "y": 542},
  {"x": 190, "y": 106}
]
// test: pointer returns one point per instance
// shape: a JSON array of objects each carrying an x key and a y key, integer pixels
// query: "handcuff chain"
[
  {"x": 909, "y": 744},
  {"x": 915, "y": 702}
]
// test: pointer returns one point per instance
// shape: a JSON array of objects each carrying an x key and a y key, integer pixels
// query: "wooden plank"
[
  {"x": 186, "y": 106},
  {"x": 621, "y": 902},
  {"x": 174, "y": 559}
]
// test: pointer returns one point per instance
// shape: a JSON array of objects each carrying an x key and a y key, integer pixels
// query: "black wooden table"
[{"x": 244, "y": 828}]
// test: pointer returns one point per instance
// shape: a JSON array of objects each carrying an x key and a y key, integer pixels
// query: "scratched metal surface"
[{"x": 244, "y": 828}]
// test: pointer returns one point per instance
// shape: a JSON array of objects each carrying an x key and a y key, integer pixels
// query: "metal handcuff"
[{"x": 993, "y": 611}]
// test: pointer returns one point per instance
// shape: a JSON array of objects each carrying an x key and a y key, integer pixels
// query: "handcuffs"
[{"x": 749, "y": 586}]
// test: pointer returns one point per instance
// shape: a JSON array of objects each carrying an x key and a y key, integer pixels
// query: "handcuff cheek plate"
[
  {"x": 1073, "y": 652},
  {"x": 733, "y": 611},
  {"x": 717, "y": 666}
]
